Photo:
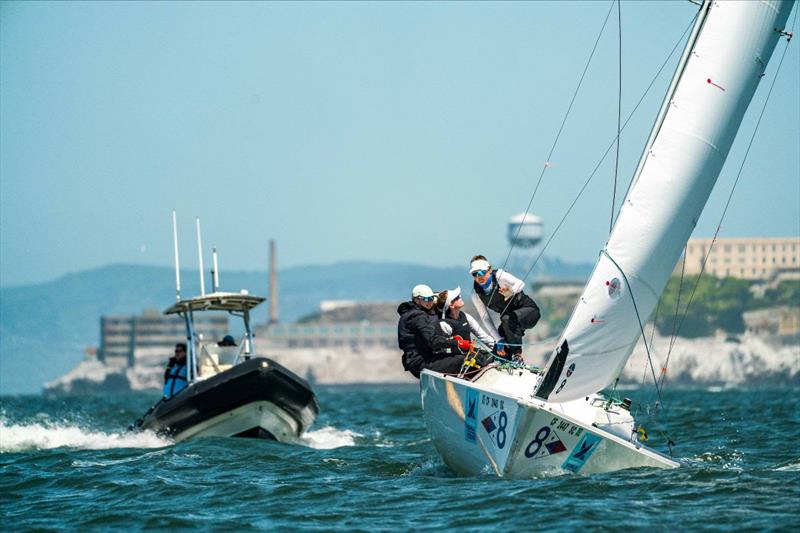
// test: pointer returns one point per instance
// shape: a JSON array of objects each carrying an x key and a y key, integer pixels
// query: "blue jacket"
[{"x": 174, "y": 378}]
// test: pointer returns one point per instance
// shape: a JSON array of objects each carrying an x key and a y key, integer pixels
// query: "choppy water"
[{"x": 368, "y": 464}]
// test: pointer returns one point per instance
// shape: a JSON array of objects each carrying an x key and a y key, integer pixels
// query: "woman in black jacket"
[{"x": 423, "y": 343}]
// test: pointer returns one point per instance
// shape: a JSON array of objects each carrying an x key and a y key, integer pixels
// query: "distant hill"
[{"x": 44, "y": 327}]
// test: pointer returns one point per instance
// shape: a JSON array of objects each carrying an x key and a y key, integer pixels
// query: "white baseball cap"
[
  {"x": 452, "y": 294},
  {"x": 479, "y": 264},
  {"x": 421, "y": 291}
]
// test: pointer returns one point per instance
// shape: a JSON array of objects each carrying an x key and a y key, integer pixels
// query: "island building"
[
  {"x": 782, "y": 322},
  {"x": 148, "y": 339},
  {"x": 752, "y": 258}
]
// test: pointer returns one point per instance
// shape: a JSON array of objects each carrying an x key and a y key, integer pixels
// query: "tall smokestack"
[{"x": 273, "y": 283}]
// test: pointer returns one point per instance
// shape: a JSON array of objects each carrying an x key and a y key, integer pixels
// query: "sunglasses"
[
  {"x": 479, "y": 273},
  {"x": 426, "y": 298}
]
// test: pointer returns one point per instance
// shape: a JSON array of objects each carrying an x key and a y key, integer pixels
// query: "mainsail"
[{"x": 724, "y": 61}]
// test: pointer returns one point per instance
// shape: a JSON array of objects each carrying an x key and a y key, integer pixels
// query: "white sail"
[{"x": 712, "y": 89}]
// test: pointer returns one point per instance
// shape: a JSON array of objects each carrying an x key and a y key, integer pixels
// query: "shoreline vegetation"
[{"x": 718, "y": 305}]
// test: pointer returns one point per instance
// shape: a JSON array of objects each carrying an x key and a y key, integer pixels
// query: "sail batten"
[{"x": 684, "y": 155}]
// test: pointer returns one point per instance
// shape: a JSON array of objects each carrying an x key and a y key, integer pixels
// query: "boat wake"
[
  {"x": 789, "y": 466},
  {"x": 24, "y": 437},
  {"x": 328, "y": 437}
]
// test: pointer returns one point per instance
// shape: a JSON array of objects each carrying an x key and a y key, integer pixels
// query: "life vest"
[
  {"x": 175, "y": 380},
  {"x": 460, "y": 325}
]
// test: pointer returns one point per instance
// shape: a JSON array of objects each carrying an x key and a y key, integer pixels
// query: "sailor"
[
  {"x": 460, "y": 325},
  {"x": 421, "y": 339},
  {"x": 501, "y": 292},
  {"x": 227, "y": 340},
  {"x": 454, "y": 321},
  {"x": 175, "y": 373}
]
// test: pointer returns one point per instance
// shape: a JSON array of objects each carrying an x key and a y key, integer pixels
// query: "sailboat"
[{"x": 522, "y": 423}]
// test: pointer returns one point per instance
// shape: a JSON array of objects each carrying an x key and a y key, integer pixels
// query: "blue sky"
[{"x": 382, "y": 131}]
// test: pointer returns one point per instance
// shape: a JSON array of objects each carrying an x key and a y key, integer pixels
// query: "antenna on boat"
[
  {"x": 215, "y": 270},
  {"x": 177, "y": 262},
  {"x": 200, "y": 258}
]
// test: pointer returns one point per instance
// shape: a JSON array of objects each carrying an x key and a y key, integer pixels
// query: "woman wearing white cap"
[
  {"x": 502, "y": 293},
  {"x": 454, "y": 321},
  {"x": 421, "y": 339}
]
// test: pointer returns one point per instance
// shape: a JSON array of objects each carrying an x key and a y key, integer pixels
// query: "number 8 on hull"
[{"x": 495, "y": 426}]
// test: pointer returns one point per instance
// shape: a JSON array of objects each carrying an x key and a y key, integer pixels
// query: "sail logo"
[
  {"x": 614, "y": 288},
  {"x": 471, "y": 416},
  {"x": 581, "y": 453}
]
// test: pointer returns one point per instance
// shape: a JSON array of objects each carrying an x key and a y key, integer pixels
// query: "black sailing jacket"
[{"x": 420, "y": 337}]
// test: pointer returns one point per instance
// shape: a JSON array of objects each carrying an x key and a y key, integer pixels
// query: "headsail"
[{"x": 724, "y": 64}]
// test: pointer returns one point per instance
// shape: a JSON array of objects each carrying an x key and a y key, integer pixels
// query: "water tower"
[{"x": 525, "y": 232}]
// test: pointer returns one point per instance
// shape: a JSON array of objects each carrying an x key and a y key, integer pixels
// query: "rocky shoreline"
[{"x": 747, "y": 360}]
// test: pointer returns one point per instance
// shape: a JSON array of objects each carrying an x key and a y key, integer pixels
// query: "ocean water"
[{"x": 368, "y": 464}]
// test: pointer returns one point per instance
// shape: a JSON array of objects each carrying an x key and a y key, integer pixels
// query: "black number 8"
[
  {"x": 542, "y": 434},
  {"x": 502, "y": 430}
]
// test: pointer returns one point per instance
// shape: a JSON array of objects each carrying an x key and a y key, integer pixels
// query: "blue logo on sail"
[{"x": 471, "y": 415}]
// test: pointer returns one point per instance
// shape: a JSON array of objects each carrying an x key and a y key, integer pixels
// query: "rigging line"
[
  {"x": 736, "y": 181},
  {"x": 641, "y": 326},
  {"x": 619, "y": 117},
  {"x": 560, "y": 130},
  {"x": 652, "y": 334},
  {"x": 655, "y": 77},
  {"x": 674, "y": 335}
]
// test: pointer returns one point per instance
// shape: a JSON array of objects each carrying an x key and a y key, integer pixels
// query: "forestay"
[{"x": 726, "y": 59}]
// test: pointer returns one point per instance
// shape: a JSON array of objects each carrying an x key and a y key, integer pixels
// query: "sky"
[{"x": 403, "y": 132}]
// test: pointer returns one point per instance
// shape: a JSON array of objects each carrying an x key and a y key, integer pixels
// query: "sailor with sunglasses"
[
  {"x": 420, "y": 337},
  {"x": 501, "y": 292}
]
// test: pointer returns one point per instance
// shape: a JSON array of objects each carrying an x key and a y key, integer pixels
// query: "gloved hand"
[
  {"x": 462, "y": 344},
  {"x": 500, "y": 347}
]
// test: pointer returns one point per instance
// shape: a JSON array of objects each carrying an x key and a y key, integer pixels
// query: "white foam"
[
  {"x": 18, "y": 438},
  {"x": 329, "y": 437},
  {"x": 791, "y": 467}
]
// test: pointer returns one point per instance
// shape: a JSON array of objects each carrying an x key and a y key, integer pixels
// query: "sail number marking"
[
  {"x": 547, "y": 442},
  {"x": 543, "y": 433},
  {"x": 502, "y": 422}
]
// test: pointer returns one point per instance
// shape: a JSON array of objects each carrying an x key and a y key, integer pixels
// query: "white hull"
[
  {"x": 495, "y": 426},
  {"x": 262, "y": 414}
]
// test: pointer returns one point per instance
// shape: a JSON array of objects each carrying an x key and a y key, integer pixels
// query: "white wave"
[
  {"x": 329, "y": 437},
  {"x": 790, "y": 467},
  {"x": 18, "y": 438}
]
